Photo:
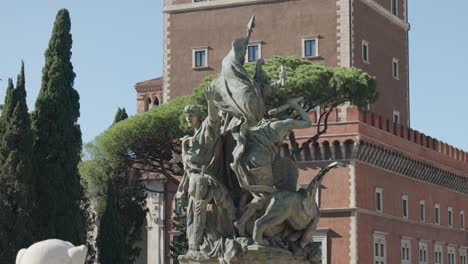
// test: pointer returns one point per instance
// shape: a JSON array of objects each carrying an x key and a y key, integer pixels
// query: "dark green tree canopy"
[
  {"x": 120, "y": 115},
  {"x": 118, "y": 198},
  {"x": 17, "y": 181},
  {"x": 7, "y": 110},
  {"x": 57, "y": 139}
]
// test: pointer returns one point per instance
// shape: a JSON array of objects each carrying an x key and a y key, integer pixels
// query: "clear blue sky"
[{"x": 118, "y": 43}]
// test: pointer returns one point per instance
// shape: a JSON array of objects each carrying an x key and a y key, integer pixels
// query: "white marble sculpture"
[{"x": 52, "y": 251}]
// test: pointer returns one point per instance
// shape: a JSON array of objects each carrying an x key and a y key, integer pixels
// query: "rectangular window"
[
  {"x": 319, "y": 246},
  {"x": 422, "y": 252},
  {"x": 310, "y": 47},
  {"x": 200, "y": 58},
  {"x": 365, "y": 51},
  {"x": 462, "y": 219},
  {"x": 437, "y": 214},
  {"x": 405, "y": 251},
  {"x": 396, "y": 117},
  {"x": 438, "y": 253},
  {"x": 451, "y": 255},
  {"x": 450, "y": 217},
  {"x": 422, "y": 211},
  {"x": 379, "y": 249},
  {"x": 394, "y": 7},
  {"x": 395, "y": 70},
  {"x": 253, "y": 52},
  {"x": 404, "y": 206},
  {"x": 379, "y": 199},
  {"x": 463, "y": 256}
]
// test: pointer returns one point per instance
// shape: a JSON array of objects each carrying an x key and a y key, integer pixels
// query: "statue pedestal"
[{"x": 256, "y": 255}]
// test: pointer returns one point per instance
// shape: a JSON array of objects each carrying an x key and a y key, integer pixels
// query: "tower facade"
[{"x": 368, "y": 34}]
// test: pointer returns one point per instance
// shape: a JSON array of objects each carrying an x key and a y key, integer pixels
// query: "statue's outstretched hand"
[{"x": 209, "y": 92}]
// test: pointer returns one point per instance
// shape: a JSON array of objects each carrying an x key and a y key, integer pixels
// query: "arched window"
[
  {"x": 327, "y": 150},
  {"x": 156, "y": 101}
]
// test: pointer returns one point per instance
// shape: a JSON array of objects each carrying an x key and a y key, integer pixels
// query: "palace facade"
[{"x": 401, "y": 195}]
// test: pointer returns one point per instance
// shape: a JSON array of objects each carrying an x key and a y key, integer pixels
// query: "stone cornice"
[
  {"x": 384, "y": 12},
  {"x": 213, "y": 4},
  {"x": 401, "y": 164}
]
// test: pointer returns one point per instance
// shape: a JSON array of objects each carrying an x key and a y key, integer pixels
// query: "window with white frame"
[
  {"x": 450, "y": 216},
  {"x": 396, "y": 117},
  {"x": 365, "y": 51},
  {"x": 451, "y": 255},
  {"x": 438, "y": 253},
  {"x": 200, "y": 57},
  {"x": 319, "y": 244},
  {"x": 422, "y": 211},
  {"x": 395, "y": 69},
  {"x": 380, "y": 250},
  {"x": 462, "y": 219},
  {"x": 254, "y": 51},
  {"x": 405, "y": 251},
  {"x": 394, "y": 7},
  {"x": 423, "y": 249},
  {"x": 404, "y": 206},
  {"x": 463, "y": 255},
  {"x": 379, "y": 199},
  {"x": 310, "y": 47},
  {"x": 437, "y": 214}
]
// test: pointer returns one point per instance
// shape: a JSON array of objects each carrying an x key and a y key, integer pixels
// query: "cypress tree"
[
  {"x": 57, "y": 140},
  {"x": 7, "y": 108},
  {"x": 121, "y": 222},
  {"x": 120, "y": 115},
  {"x": 16, "y": 189},
  {"x": 111, "y": 238}
]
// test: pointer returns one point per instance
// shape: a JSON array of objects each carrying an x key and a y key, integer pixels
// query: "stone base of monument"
[{"x": 255, "y": 255}]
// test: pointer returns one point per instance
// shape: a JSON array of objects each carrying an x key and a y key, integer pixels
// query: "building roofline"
[
  {"x": 204, "y": 5},
  {"x": 152, "y": 85}
]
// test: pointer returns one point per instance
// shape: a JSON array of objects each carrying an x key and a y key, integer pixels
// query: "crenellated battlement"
[
  {"x": 342, "y": 137},
  {"x": 408, "y": 134}
]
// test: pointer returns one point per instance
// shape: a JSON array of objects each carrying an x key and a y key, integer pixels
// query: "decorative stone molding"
[
  {"x": 401, "y": 164},
  {"x": 167, "y": 59},
  {"x": 344, "y": 32},
  {"x": 384, "y": 158},
  {"x": 213, "y": 4},
  {"x": 386, "y": 13}
]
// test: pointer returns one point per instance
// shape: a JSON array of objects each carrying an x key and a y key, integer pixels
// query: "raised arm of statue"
[
  {"x": 212, "y": 112},
  {"x": 284, "y": 126}
]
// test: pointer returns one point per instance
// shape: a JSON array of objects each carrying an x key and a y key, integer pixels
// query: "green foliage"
[
  {"x": 179, "y": 245},
  {"x": 120, "y": 115},
  {"x": 144, "y": 137},
  {"x": 17, "y": 182},
  {"x": 8, "y": 107},
  {"x": 57, "y": 140},
  {"x": 319, "y": 85},
  {"x": 111, "y": 237},
  {"x": 88, "y": 222},
  {"x": 122, "y": 220},
  {"x": 118, "y": 198}
]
